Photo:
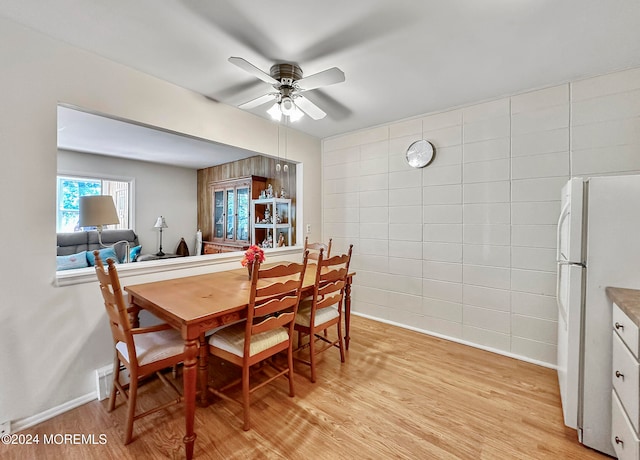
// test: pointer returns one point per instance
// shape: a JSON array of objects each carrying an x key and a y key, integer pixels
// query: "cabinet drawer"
[
  {"x": 210, "y": 249},
  {"x": 623, "y": 438},
  {"x": 626, "y": 329},
  {"x": 626, "y": 378}
]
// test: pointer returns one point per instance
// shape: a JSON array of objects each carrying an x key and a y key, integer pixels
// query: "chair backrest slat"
[
  {"x": 273, "y": 298},
  {"x": 271, "y": 322},
  {"x": 275, "y": 305},
  {"x": 278, "y": 287},
  {"x": 314, "y": 248},
  {"x": 331, "y": 277},
  {"x": 115, "y": 305}
]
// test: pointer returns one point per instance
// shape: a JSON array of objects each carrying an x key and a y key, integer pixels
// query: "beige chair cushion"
[
  {"x": 322, "y": 316},
  {"x": 231, "y": 339},
  {"x": 154, "y": 346}
]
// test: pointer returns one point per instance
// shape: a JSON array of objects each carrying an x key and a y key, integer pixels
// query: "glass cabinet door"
[
  {"x": 243, "y": 214},
  {"x": 218, "y": 214},
  {"x": 231, "y": 216}
]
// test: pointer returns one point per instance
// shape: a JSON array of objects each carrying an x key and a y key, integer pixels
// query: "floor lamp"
[
  {"x": 160, "y": 223},
  {"x": 99, "y": 210}
]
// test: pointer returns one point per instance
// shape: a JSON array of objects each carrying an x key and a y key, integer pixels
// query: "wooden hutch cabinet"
[{"x": 231, "y": 214}]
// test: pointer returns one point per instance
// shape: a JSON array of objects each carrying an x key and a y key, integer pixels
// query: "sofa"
[{"x": 73, "y": 247}]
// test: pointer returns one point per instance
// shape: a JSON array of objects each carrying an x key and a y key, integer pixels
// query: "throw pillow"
[
  {"x": 105, "y": 254},
  {"x": 78, "y": 260},
  {"x": 134, "y": 253}
]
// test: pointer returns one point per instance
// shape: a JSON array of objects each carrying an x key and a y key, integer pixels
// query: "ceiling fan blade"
[
  {"x": 253, "y": 70},
  {"x": 309, "y": 108},
  {"x": 332, "y": 106},
  {"x": 325, "y": 78},
  {"x": 258, "y": 101}
]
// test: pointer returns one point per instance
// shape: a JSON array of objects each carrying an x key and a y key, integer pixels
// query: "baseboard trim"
[
  {"x": 460, "y": 341},
  {"x": 28, "y": 422}
]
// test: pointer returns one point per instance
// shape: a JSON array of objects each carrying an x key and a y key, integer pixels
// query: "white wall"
[
  {"x": 159, "y": 190},
  {"x": 52, "y": 338},
  {"x": 465, "y": 248}
]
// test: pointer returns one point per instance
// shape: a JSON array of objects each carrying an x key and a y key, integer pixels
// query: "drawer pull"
[
  {"x": 619, "y": 326},
  {"x": 620, "y": 375},
  {"x": 619, "y": 441}
]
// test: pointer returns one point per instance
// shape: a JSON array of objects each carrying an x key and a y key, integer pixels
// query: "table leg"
[
  {"x": 134, "y": 313},
  {"x": 347, "y": 312},
  {"x": 189, "y": 377},
  {"x": 203, "y": 370}
]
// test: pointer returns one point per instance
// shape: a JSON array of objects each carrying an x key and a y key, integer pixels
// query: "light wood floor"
[{"x": 400, "y": 395}]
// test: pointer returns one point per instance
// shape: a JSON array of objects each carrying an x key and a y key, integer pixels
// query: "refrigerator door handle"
[
  {"x": 563, "y": 215},
  {"x": 558, "y": 300}
]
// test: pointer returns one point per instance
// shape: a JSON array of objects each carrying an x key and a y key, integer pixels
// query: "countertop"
[{"x": 628, "y": 300}]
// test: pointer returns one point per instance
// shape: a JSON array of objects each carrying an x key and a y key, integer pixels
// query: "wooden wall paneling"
[{"x": 253, "y": 166}]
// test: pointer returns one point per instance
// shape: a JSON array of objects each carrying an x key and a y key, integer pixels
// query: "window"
[{"x": 71, "y": 188}]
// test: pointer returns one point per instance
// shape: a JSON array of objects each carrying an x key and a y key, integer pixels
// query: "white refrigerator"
[{"x": 598, "y": 246}]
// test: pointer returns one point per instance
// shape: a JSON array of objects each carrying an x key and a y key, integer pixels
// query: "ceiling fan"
[{"x": 289, "y": 86}]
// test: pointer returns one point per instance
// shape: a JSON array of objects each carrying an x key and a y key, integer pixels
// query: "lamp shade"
[
  {"x": 275, "y": 112},
  {"x": 160, "y": 223},
  {"x": 97, "y": 210},
  {"x": 287, "y": 106}
]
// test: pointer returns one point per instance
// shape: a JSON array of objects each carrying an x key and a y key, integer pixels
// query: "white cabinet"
[
  {"x": 271, "y": 224},
  {"x": 625, "y": 412}
]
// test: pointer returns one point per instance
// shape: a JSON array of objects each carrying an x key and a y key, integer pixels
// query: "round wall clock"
[{"x": 420, "y": 154}]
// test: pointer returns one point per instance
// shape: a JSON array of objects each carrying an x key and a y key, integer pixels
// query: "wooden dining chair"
[
  {"x": 324, "y": 308},
  {"x": 268, "y": 329},
  {"x": 314, "y": 248},
  {"x": 142, "y": 350}
]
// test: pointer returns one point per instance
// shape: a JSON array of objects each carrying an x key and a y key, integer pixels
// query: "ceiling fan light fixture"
[
  {"x": 287, "y": 79},
  {"x": 296, "y": 114},
  {"x": 275, "y": 112},
  {"x": 287, "y": 106}
]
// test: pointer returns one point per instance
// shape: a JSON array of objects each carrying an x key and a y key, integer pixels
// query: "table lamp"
[{"x": 160, "y": 223}]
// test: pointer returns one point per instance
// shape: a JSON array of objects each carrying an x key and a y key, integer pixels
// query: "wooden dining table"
[{"x": 196, "y": 304}]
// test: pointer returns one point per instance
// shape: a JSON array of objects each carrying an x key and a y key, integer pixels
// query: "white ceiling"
[
  {"x": 401, "y": 57},
  {"x": 93, "y": 133}
]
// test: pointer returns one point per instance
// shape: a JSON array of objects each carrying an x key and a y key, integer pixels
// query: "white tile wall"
[
  {"x": 442, "y": 271},
  {"x": 486, "y": 171},
  {"x": 465, "y": 248},
  {"x": 442, "y": 309},
  {"x": 535, "y": 236},
  {"x": 374, "y": 247},
  {"x": 486, "y": 337},
  {"x": 442, "y": 175},
  {"x": 496, "y": 234},
  {"x": 478, "y": 275},
  {"x": 451, "y": 329},
  {"x": 492, "y": 320},
  {"x": 442, "y": 214},
  {"x": 555, "y": 140},
  {"x": 405, "y": 249},
  {"x": 495, "y": 299},
  {"x": 606, "y": 160},
  {"x": 405, "y": 197},
  {"x": 442, "y": 252},
  {"x": 451, "y": 292},
  {"x": 491, "y": 149},
  {"x": 536, "y": 306},
  {"x": 487, "y": 192},
  {"x": 539, "y": 189}
]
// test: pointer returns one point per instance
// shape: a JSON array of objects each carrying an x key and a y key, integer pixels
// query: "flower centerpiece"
[{"x": 250, "y": 256}]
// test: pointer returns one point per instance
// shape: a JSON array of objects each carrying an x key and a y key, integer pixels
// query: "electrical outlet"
[
  {"x": 5, "y": 428},
  {"x": 308, "y": 228}
]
